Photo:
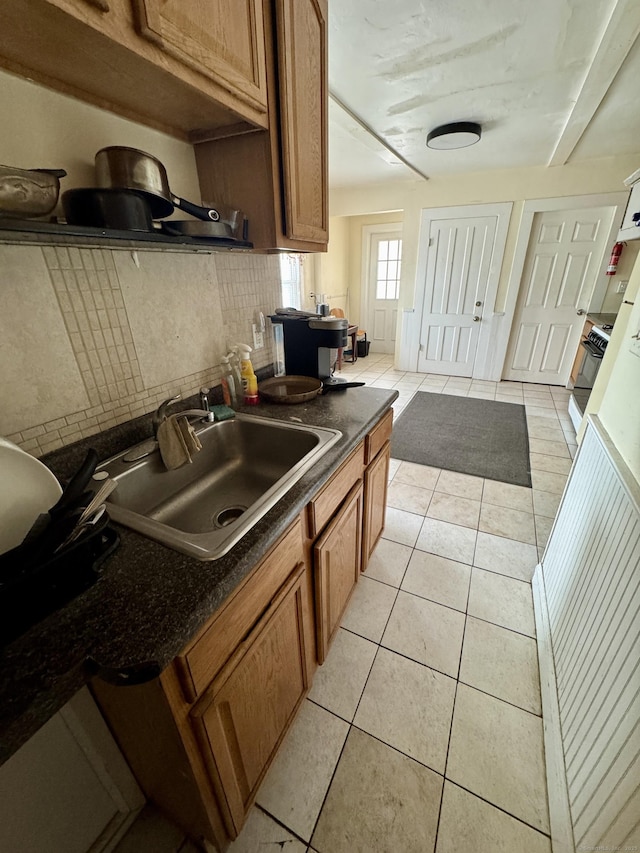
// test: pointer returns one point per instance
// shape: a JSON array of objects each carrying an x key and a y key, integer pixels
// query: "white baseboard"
[
  {"x": 574, "y": 413},
  {"x": 559, "y": 812}
]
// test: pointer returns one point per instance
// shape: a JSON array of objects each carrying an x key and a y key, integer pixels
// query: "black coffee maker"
[{"x": 311, "y": 343}]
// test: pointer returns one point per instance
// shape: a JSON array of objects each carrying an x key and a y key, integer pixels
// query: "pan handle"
[
  {"x": 327, "y": 387},
  {"x": 206, "y": 213},
  {"x": 56, "y": 173}
]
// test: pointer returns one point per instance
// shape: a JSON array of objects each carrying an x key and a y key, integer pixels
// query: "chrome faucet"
[{"x": 161, "y": 413}]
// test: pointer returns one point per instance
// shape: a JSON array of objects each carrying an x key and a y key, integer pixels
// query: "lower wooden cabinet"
[
  {"x": 375, "y": 502},
  {"x": 201, "y": 737},
  {"x": 337, "y": 560},
  {"x": 245, "y": 713}
]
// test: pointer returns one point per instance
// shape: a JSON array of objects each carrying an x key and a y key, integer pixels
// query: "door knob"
[
  {"x": 580, "y": 312},
  {"x": 478, "y": 304},
  {"x": 476, "y": 319}
]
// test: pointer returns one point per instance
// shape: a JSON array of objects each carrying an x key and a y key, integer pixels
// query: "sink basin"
[{"x": 245, "y": 466}]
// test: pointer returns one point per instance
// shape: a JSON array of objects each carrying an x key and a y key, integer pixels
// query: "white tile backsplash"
[
  {"x": 90, "y": 338},
  {"x": 33, "y": 340}
]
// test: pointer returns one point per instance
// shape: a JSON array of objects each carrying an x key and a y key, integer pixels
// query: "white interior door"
[
  {"x": 564, "y": 257},
  {"x": 383, "y": 289},
  {"x": 459, "y": 262}
]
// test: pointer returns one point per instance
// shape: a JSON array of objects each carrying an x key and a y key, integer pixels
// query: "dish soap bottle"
[
  {"x": 229, "y": 392},
  {"x": 249, "y": 379}
]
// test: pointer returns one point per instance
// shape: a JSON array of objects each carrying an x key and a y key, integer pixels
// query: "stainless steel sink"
[{"x": 245, "y": 466}]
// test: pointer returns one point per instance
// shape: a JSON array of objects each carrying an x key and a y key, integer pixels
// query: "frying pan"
[
  {"x": 299, "y": 389},
  {"x": 197, "y": 228},
  {"x": 290, "y": 389},
  {"x": 119, "y": 167}
]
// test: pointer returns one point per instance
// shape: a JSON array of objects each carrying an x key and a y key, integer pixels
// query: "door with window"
[{"x": 383, "y": 289}]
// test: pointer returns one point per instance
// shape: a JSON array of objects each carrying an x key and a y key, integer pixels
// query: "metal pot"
[
  {"x": 124, "y": 210},
  {"x": 119, "y": 167},
  {"x": 29, "y": 192}
]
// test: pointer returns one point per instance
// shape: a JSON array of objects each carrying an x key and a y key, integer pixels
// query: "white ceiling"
[{"x": 550, "y": 81}]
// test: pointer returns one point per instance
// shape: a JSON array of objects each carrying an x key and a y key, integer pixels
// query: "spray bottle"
[
  {"x": 249, "y": 379},
  {"x": 229, "y": 392},
  {"x": 234, "y": 363}
]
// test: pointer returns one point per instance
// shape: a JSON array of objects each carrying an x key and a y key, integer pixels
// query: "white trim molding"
[{"x": 557, "y": 791}]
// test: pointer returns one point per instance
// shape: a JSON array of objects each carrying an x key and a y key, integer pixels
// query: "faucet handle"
[{"x": 204, "y": 398}]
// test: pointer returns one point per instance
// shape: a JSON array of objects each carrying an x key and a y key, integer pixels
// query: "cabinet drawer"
[
  {"x": 379, "y": 435},
  {"x": 205, "y": 656},
  {"x": 329, "y": 498}
]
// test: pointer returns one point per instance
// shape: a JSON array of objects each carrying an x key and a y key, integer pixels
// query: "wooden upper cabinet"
[
  {"x": 222, "y": 39},
  {"x": 302, "y": 62},
  {"x": 181, "y": 66},
  {"x": 278, "y": 177}
]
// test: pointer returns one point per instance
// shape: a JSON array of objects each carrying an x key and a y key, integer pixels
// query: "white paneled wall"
[{"x": 591, "y": 573}]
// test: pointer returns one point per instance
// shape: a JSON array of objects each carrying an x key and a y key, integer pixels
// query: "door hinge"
[{"x": 430, "y": 241}]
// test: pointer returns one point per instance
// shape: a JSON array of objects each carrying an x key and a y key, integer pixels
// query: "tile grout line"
[
  {"x": 351, "y": 725},
  {"x": 281, "y": 824},
  {"x": 499, "y": 808}
]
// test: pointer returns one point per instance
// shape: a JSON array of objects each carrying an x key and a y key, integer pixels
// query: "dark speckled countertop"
[{"x": 151, "y": 601}]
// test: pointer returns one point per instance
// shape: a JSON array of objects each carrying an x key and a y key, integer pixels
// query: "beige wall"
[
  {"x": 612, "y": 300},
  {"x": 332, "y": 269},
  {"x": 93, "y": 337},
  {"x": 616, "y": 394}
]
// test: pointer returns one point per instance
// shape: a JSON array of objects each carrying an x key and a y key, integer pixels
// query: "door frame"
[
  {"x": 546, "y": 205},
  {"x": 368, "y": 232},
  {"x": 484, "y": 361}
]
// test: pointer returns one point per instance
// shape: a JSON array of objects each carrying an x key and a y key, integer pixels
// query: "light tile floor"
[{"x": 423, "y": 729}]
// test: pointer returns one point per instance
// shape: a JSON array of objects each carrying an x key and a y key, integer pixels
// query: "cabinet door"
[
  {"x": 337, "y": 557},
  {"x": 375, "y": 502},
  {"x": 223, "y": 39},
  {"x": 302, "y": 62},
  {"x": 248, "y": 708}
]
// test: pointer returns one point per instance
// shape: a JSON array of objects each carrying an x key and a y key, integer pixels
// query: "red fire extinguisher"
[{"x": 613, "y": 260}]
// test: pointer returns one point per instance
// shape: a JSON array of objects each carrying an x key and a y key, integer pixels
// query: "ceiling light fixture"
[{"x": 458, "y": 134}]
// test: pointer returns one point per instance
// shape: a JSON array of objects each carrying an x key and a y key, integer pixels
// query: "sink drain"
[{"x": 228, "y": 515}]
